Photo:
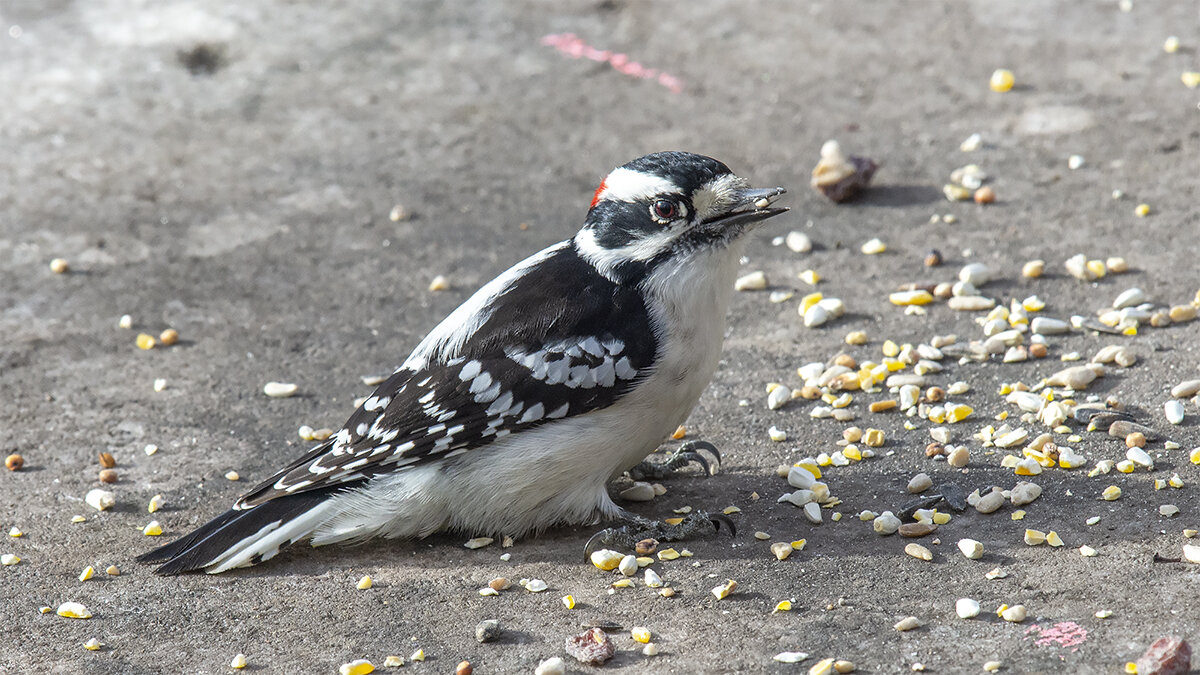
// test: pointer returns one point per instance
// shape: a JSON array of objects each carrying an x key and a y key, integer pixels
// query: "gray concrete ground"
[{"x": 227, "y": 169}]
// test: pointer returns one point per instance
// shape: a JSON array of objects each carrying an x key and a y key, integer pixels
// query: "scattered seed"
[
  {"x": 907, "y": 623},
  {"x": 1111, "y": 493},
  {"x": 1014, "y": 614},
  {"x": 873, "y": 247},
  {"x": 551, "y": 666},
  {"x": 9, "y": 559},
  {"x": 59, "y": 266},
  {"x": 754, "y": 281},
  {"x": 721, "y": 592},
  {"x": 73, "y": 610},
  {"x": 966, "y": 608},
  {"x": 145, "y": 341},
  {"x": 357, "y": 667},
  {"x": 14, "y": 462},
  {"x": 279, "y": 389},
  {"x": 101, "y": 500},
  {"x": 1002, "y": 80}
]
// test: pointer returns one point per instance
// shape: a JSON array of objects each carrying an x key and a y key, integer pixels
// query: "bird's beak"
[{"x": 751, "y": 206}]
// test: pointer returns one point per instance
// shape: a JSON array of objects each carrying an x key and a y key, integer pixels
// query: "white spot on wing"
[
  {"x": 561, "y": 411},
  {"x": 470, "y": 370},
  {"x": 533, "y": 414}
]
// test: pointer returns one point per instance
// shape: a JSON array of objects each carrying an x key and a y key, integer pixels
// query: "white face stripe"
[
  {"x": 716, "y": 196},
  {"x": 627, "y": 185},
  {"x": 607, "y": 259}
]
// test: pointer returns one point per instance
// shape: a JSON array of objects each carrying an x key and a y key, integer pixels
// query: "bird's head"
[{"x": 666, "y": 205}]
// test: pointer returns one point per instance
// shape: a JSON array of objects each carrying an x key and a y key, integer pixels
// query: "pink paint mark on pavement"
[
  {"x": 1063, "y": 634},
  {"x": 574, "y": 47}
]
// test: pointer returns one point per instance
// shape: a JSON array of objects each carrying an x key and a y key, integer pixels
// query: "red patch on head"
[{"x": 599, "y": 190}]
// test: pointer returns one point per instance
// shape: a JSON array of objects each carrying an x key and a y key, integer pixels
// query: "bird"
[{"x": 514, "y": 413}]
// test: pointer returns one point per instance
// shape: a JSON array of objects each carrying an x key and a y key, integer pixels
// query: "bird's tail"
[{"x": 240, "y": 538}]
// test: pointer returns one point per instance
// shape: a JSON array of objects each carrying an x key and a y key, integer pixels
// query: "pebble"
[
  {"x": 920, "y": 483},
  {"x": 1168, "y": 510},
  {"x": 798, "y": 242},
  {"x": 959, "y": 457},
  {"x": 1167, "y": 656},
  {"x": 1023, "y": 493},
  {"x": 918, "y": 551},
  {"x": 812, "y": 511},
  {"x": 914, "y": 530},
  {"x": 1125, "y": 428},
  {"x": 781, "y": 550},
  {"x": 970, "y": 303},
  {"x": 754, "y": 281},
  {"x": 279, "y": 389},
  {"x": 592, "y": 647},
  {"x": 990, "y": 502},
  {"x": 973, "y": 550},
  {"x": 907, "y": 623},
  {"x": 886, "y": 523},
  {"x": 966, "y": 608}
]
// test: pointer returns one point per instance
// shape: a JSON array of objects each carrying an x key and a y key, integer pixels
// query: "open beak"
[{"x": 751, "y": 206}]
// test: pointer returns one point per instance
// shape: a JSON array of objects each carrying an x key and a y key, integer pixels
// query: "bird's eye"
[{"x": 665, "y": 209}]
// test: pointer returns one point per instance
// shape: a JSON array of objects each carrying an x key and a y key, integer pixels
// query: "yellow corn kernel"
[
  {"x": 1005, "y": 389},
  {"x": 957, "y": 412},
  {"x": 568, "y": 601},
  {"x": 1018, "y": 515},
  {"x": 1098, "y": 268},
  {"x": 998, "y": 312},
  {"x": 92, "y": 645},
  {"x": 668, "y": 554},
  {"x": 1130, "y": 668},
  {"x": 152, "y": 529},
  {"x": 87, "y": 573},
  {"x": 1002, "y": 80},
  {"x": 622, "y": 583},
  {"x": 1035, "y": 537},
  {"x": 893, "y": 365},
  {"x": 783, "y": 606},
  {"x": 810, "y": 300},
  {"x": 640, "y": 634},
  {"x": 810, "y": 277},
  {"x": 145, "y": 341},
  {"x": 1142, "y": 210},
  {"x": 1033, "y": 304},
  {"x": 1125, "y": 466},
  {"x": 940, "y": 518},
  {"x": 681, "y": 431},
  {"x": 1111, "y": 493},
  {"x": 890, "y": 348},
  {"x": 1194, "y": 456},
  {"x": 798, "y": 545},
  {"x": 873, "y": 438},
  {"x": 852, "y": 453},
  {"x": 358, "y": 667},
  {"x": 721, "y": 592},
  {"x": 1053, "y": 539},
  {"x": 810, "y": 465},
  {"x": 1175, "y": 481},
  {"x": 365, "y": 582}
]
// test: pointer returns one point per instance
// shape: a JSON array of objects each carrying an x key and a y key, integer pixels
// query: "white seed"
[
  {"x": 966, "y": 608},
  {"x": 101, "y": 500},
  {"x": 9, "y": 559},
  {"x": 1015, "y": 614},
  {"x": 919, "y": 552},
  {"x": 799, "y": 477},
  {"x": 1087, "y": 551},
  {"x": 778, "y": 397},
  {"x": 653, "y": 580},
  {"x": 1174, "y": 411},
  {"x": 815, "y": 316},
  {"x": 551, "y": 666},
  {"x": 791, "y": 657},
  {"x": 971, "y": 144},
  {"x": 1129, "y": 298},
  {"x": 874, "y": 247},
  {"x": 478, "y": 542},
  {"x": 1186, "y": 389},
  {"x": 776, "y": 434},
  {"x": 812, "y": 511},
  {"x": 886, "y": 523},
  {"x": 638, "y": 492},
  {"x": 907, "y": 623},
  {"x": 1191, "y": 553},
  {"x": 958, "y": 457},
  {"x": 73, "y": 610},
  {"x": 279, "y": 389},
  {"x": 150, "y": 449},
  {"x": 1044, "y": 325},
  {"x": 798, "y": 242},
  {"x": 976, "y": 274},
  {"x": 970, "y": 303},
  {"x": 971, "y": 548},
  {"x": 754, "y": 281},
  {"x": 992, "y": 666},
  {"x": 1074, "y": 162},
  {"x": 535, "y": 585},
  {"x": 1140, "y": 457}
]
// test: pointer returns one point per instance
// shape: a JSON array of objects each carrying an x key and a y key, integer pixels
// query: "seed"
[
  {"x": 364, "y": 583},
  {"x": 1182, "y": 313},
  {"x": 628, "y": 565},
  {"x": 754, "y": 281},
  {"x": 904, "y": 298},
  {"x": 1141, "y": 210},
  {"x": 985, "y": 195},
  {"x": 776, "y": 434},
  {"x": 873, "y": 438},
  {"x": 107, "y": 476},
  {"x": 798, "y": 242},
  {"x": 640, "y": 634},
  {"x": 667, "y": 554},
  {"x": 464, "y": 668},
  {"x": 907, "y": 623},
  {"x": 1190, "y": 79},
  {"x": 721, "y": 592},
  {"x": 918, "y": 551},
  {"x": 1033, "y": 269},
  {"x": 9, "y": 559},
  {"x": 152, "y": 529},
  {"x": 279, "y": 389},
  {"x": 1135, "y": 440},
  {"x": 874, "y": 247},
  {"x": 606, "y": 559},
  {"x": 145, "y": 341},
  {"x": 971, "y": 548},
  {"x": 14, "y": 462},
  {"x": 101, "y": 500},
  {"x": 1173, "y": 410},
  {"x": 169, "y": 336},
  {"x": 856, "y": 337},
  {"x": 92, "y": 644},
  {"x": 59, "y": 266},
  {"x": 358, "y": 667},
  {"x": 1014, "y": 614},
  {"x": 73, "y": 610},
  {"x": 1111, "y": 493},
  {"x": 1002, "y": 80},
  {"x": 959, "y": 457},
  {"x": 810, "y": 277},
  {"x": 920, "y": 483},
  {"x": 966, "y": 608}
]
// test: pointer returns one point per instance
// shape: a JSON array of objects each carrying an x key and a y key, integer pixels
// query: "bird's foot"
[
  {"x": 688, "y": 453},
  {"x": 642, "y": 535}
]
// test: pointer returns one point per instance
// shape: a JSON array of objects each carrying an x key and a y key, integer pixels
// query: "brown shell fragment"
[
  {"x": 1167, "y": 656},
  {"x": 592, "y": 647},
  {"x": 839, "y": 177}
]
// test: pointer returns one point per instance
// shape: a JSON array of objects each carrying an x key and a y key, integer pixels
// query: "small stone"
[
  {"x": 781, "y": 550},
  {"x": 1024, "y": 493},
  {"x": 914, "y": 530},
  {"x": 886, "y": 523},
  {"x": 990, "y": 502},
  {"x": 1014, "y": 614},
  {"x": 790, "y": 657},
  {"x": 638, "y": 492},
  {"x": 959, "y": 457},
  {"x": 918, "y": 551},
  {"x": 1168, "y": 510},
  {"x": 920, "y": 483},
  {"x": 101, "y": 500},
  {"x": 60, "y": 266},
  {"x": 551, "y": 666},
  {"x": 487, "y": 630},
  {"x": 1167, "y": 656},
  {"x": 1131, "y": 297}
]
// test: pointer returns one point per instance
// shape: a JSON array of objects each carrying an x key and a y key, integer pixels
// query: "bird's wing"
[{"x": 552, "y": 343}]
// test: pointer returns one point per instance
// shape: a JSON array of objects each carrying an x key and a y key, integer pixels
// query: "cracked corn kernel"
[
  {"x": 1190, "y": 79},
  {"x": 73, "y": 610},
  {"x": 856, "y": 337},
  {"x": 9, "y": 559},
  {"x": 152, "y": 529},
  {"x": 874, "y": 247},
  {"x": 92, "y": 644},
  {"x": 783, "y": 606},
  {"x": 721, "y": 592},
  {"x": 393, "y": 661},
  {"x": 810, "y": 277},
  {"x": 1035, "y": 537},
  {"x": 1175, "y": 481},
  {"x": 59, "y": 265},
  {"x": 667, "y": 554},
  {"x": 873, "y": 438},
  {"x": 680, "y": 432},
  {"x": 358, "y": 667},
  {"x": 169, "y": 336},
  {"x": 78, "y": 519},
  {"x": 145, "y": 341},
  {"x": 1087, "y": 551},
  {"x": 14, "y": 462},
  {"x": 112, "y": 571},
  {"x": 957, "y": 412},
  {"x": 155, "y": 504},
  {"x": 365, "y": 582},
  {"x": 238, "y": 661},
  {"x": 1142, "y": 210},
  {"x": 568, "y": 601},
  {"x": 232, "y": 475},
  {"x": 1194, "y": 456},
  {"x": 640, "y": 634},
  {"x": 1053, "y": 539},
  {"x": 1002, "y": 80},
  {"x": 907, "y": 623},
  {"x": 87, "y": 573},
  {"x": 15, "y": 532},
  {"x": 1111, "y": 493}
]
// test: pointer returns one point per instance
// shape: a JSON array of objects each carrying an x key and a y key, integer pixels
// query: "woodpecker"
[{"x": 514, "y": 412}]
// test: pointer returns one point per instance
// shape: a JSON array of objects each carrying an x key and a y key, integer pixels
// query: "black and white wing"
[{"x": 551, "y": 338}]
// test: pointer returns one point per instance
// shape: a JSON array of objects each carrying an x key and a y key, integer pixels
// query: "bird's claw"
[
  {"x": 626, "y": 537},
  {"x": 685, "y": 454}
]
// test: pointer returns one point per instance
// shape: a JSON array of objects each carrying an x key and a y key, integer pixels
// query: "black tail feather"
[{"x": 197, "y": 549}]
